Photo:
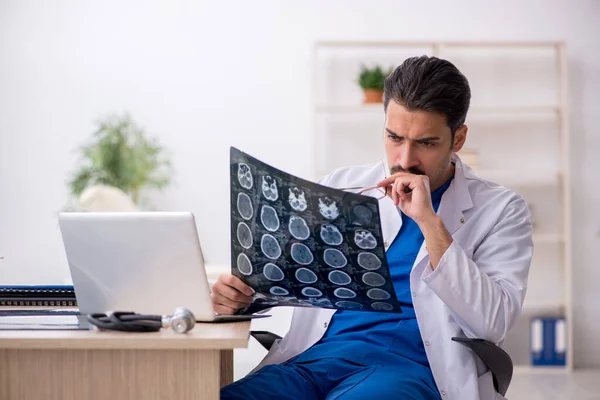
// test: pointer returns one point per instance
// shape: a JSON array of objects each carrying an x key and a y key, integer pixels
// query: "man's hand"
[
  {"x": 412, "y": 194},
  {"x": 230, "y": 294},
  {"x": 417, "y": 205}
]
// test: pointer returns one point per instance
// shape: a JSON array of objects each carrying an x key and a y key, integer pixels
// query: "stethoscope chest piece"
[{"x": 181, "y": 321}]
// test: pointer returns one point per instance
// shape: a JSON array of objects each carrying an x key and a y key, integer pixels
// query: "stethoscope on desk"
[{"x": 182, "y": 321}]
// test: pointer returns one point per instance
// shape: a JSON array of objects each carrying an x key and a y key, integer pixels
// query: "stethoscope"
[{"x": 182, "y": 321}]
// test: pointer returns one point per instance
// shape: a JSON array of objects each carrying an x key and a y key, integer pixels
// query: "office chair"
[{"x": 496, "y": 359}]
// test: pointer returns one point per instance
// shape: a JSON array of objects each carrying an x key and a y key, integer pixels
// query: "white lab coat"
[{"x": 477, "y": 290}]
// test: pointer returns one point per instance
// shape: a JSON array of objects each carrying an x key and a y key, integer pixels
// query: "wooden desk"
[{"x": 73, "y": 365}]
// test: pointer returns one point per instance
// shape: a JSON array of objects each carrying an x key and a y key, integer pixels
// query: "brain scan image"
[
  {"x": 244, "y": 265},
  {"x": 301, "y": 254},
  {"x": 378, "y": 294},
  {"x": 373, "y": 279},
  {"x": 350, "y": 305},
  {"x": 381, "y": 306},
  {"x": 331, "y": 235},
  {"x": 328, "y": 208},
  {"x": 334, "y": 258},
  {"x": 244, "y": 176},
  {"x": 269, "y": 218},
  {"x": 305, "y": 275},
  {"x": 344, "y": 293},
  {"x": 297, "y": 199},
  {"x": 365, "y": 239},
  {"x": 278, "y": 291},
  {"x": 361, "y": 215},
  {"x": 339, "y": 278},
  {"x": 272, "y": 272},
  {"x": 244, "y": 235},
  {"x": 298, "y": 228},
  {"x": 270, "y": 247},
  {"x": 368, "y": 261},
  {"x": 244, "y": 206},
  {"x": 269, "y": 188},
  {"x": 311, "y": 292}
]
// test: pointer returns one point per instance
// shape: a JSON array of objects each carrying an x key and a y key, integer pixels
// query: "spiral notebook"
[{"x": 36, "y": 295}]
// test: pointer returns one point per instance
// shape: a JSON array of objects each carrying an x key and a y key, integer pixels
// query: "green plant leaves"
[
  {"x": 372, "y": 78},
  {"x": 121, "y": 155}
]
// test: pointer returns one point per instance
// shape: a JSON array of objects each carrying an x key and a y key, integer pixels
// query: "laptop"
[{"x": 143, "y": 262}]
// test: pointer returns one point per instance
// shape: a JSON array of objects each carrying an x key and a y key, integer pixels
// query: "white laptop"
[{"x": 144, "y": 262}]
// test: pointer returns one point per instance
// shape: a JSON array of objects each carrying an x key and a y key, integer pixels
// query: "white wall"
[{"x": 206, "y": 75}]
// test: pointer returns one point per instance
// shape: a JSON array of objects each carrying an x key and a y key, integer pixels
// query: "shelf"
[
  {"x": 473, "y": 111},
  {"x": 553, "y": 306},
  {"x": 347, "y": 108},
  {"x": 513, "y": 111},
  {"x": 547, "y": 238},
  {"x": 511, "y": 178},
  {"x": 508, "y": 179},
  {"x": 417, "y": 43},
  {"x": 531, "y": 369}
]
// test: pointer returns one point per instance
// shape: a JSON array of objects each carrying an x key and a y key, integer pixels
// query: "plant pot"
[{"x": 373, "y": 96}]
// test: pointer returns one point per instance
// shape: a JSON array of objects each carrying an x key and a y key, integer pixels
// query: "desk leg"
[
  {"x": 226, "y": 367},
  {"x": 113, "y": 374}
]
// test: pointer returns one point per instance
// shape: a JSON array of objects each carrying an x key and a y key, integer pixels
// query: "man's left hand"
[{"x": 416, "y": 204}]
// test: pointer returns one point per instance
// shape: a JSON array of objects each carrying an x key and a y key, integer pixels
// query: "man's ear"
[{"x": 460, "y": 136}]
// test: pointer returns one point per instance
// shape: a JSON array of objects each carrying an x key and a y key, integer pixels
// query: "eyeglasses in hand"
[{"x": 379, "y": 192}]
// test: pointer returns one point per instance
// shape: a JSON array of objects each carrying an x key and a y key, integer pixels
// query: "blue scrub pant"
[{"x": 333, "y": 378}]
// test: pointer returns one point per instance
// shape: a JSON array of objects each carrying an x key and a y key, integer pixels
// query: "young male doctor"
[{"x": 458, "y": 247}]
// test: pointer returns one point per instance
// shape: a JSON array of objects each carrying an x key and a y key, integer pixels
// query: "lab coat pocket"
[{"x": 486, "y": 386}]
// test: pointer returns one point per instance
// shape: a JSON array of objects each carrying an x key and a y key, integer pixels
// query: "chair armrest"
[
  {"x": 496, "y": 359},
  {"x": 265, "y": 338}
]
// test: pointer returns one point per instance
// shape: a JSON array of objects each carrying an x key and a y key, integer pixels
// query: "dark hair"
[{"x": 430, "y": 84}]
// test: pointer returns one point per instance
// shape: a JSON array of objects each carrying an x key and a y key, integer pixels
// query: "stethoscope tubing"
[{"x": 126, "y": 321}]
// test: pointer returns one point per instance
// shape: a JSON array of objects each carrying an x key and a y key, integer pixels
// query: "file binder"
[
  {"x": 548, "y": 341},
  {"x": 45, "y": 295}
]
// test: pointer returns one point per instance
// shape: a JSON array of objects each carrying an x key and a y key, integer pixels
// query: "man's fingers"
[
  {"x": 237, "y": 283},
  {"x": 386, "y": 182},
  {"x": 426, "y": 183},
  {"x": 392, "y": 178},
  {"x": 220, "y": 300},
  {"x": 223, "y": 310},
  {"x": 389, "y": 180},
  {"x": 394, "y": 195},
  {"x": 231, "y": 293},
  {"x": 403, "y": 190}
]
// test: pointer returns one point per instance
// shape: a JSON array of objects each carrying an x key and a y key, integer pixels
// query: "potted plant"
[
  {"x": 121, "y": 156},
  {"x": 371, "y": 81}
]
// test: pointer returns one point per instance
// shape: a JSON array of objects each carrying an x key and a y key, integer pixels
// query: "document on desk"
[
  {"x": 298, "y": 243},
  {"x": 39, "y": 320}
]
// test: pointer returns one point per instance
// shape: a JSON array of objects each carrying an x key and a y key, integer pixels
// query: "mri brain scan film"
[{"x": 298, "y": 243}]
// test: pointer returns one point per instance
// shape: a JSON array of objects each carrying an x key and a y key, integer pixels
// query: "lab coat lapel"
[
  {"x": 391, "y": 221},
  {"x": 390, "y": 218},
  {"x": 455, "y": 200}
]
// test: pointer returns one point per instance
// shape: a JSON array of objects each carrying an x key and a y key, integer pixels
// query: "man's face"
[{"x": 420, "y": 142}]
